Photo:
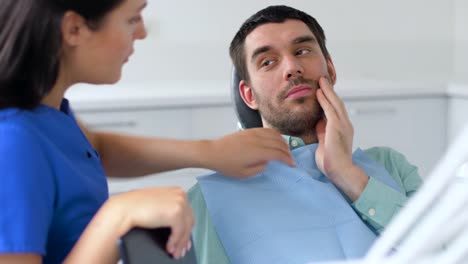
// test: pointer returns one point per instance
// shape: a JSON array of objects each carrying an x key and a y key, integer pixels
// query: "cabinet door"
[
  {"x": 414, "y": 127},
  {"x": 212, "y": 121},
  {"x": 173, "y": 123}
]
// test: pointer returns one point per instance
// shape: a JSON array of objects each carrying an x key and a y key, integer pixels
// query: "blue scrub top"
[{"x": 51, "y": 181}]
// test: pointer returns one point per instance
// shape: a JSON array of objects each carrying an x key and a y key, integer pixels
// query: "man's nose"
[{"x": 293, "y": 68}]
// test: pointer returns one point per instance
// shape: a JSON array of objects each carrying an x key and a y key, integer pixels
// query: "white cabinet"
[
  {"x": 183, "y": 122},
  {"x": 415, "y": 127},
  {"x": 146, "y": 122},
  {"x": 212, "y": 121}
]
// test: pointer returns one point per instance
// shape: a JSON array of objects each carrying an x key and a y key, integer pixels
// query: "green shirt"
[{"x": 377, "y": 204}]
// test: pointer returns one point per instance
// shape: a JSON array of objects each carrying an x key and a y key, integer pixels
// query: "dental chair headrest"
[{"x": 248, "y": 118}]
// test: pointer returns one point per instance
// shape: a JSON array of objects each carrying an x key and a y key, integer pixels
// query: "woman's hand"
[
  {"x": 247, "y": 152},
  {"x": 159, "y": 207}
]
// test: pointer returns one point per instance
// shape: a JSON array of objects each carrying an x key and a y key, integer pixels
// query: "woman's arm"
[
  {"x": 240, "y": 154},
  {"x": 148, "y": 208},
  {"x": 20, "y": 259}
]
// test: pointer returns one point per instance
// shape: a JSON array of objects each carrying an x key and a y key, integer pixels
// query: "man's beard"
[{"x": 287, "y": 121}]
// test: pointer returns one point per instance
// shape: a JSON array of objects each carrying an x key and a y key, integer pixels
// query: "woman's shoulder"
[{"x": 16, "y": 124}]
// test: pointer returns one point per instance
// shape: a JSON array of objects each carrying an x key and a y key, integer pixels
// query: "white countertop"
[
  {"x": 164, "y": 95},
  {"x": 175, "y": 94}
]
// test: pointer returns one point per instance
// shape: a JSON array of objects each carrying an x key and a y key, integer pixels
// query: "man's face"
[{"x": 284, "y": 62}]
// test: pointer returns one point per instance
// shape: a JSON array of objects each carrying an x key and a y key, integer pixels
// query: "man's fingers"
[
  {"x": 333, "y": 98},
  {"x": 328, "y": 109}
]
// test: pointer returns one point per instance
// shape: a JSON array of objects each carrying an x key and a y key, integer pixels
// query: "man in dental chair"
[{"x": 334, "y": 203}]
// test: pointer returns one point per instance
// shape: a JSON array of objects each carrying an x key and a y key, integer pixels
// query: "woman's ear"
[
  {"x": 247, "y": 95},
  {"x": 331, "y": 70},
  {"x": 74, "y": 29}
]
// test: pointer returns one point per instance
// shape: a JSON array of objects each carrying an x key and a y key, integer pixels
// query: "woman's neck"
[
  {"x": 56, "y": 94},
  {"x": 54, "y": 98}
]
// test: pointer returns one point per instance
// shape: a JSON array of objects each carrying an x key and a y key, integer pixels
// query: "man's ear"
[
  {"x": 248, "y": 95},
  {"x": 331, "y": 70},
  {"x": 74, "y": 29}
]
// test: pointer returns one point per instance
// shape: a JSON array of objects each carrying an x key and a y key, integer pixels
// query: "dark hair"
[
  {"x": 271, "y": 14},
  {"x": 30, "y": 45}
]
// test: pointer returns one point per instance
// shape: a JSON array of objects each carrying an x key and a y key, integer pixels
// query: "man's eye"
[
  {"x": 302, "y": 51},
  {"x": 266, "y": 63}
]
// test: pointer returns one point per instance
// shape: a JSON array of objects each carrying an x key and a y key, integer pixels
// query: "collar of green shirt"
[{"x": 293, "y": 142}]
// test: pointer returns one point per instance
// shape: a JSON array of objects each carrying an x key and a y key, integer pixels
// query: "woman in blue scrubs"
[{"x": 53, "y": 192}]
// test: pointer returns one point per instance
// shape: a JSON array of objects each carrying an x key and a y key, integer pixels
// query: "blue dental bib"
[{"x": 289, "y": 214}]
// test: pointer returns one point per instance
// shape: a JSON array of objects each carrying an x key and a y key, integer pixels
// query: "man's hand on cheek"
[{"x": 335, "y": 137}]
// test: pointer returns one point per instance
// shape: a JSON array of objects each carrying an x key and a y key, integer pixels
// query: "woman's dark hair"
[
  {"x": 271, "y": 14},
  {"x": 30, "y": 45}
]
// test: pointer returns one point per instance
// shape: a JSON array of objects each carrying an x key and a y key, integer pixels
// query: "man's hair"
[
  {"x": 31, "y": 42},
  {"x": 271, "y": 14}
]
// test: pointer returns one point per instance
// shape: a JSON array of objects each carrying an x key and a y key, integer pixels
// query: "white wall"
[
  {"x": 368, "y": 39},
  {"x": 461, "y": 41}
]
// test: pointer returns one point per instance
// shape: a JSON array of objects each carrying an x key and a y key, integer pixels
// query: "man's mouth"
[
  {"x": 300, "y": 87},
  {"x": 299, "y": 91}
]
